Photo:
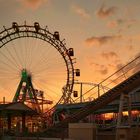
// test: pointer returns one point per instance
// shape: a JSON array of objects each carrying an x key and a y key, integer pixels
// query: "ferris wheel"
[{"x": 34, "y": 58}]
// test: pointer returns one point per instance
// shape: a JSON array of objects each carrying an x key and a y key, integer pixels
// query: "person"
[{"x": 63, "y": 115}]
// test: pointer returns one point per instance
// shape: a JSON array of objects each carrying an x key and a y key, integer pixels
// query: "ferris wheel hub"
[{"x": 25, "y": 74}]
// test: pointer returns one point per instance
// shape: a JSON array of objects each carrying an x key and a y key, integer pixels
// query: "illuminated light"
[
  {"x": 125, "y": 113},
  {"x": 108, "y": 116},
  {"x": 14, "y": 125},
  {"x": 135, "y": 112}
]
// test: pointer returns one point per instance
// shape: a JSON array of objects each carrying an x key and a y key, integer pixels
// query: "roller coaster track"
[{"x": 125, "y": 87}]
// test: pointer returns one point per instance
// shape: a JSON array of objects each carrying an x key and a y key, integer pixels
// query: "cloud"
[
  {"x": 106, "y": 12},
  {"x": 102, "y": 69},
  {"x": 119, "y": 66},
  {"x": 115, "y": 23},
  {"x": 129, "y": 68},
  {"x": 112, "y": 24},
  {"x": 131, "y": 22},
  {"x": 109, "y": 55},
  {"x": 136, "y": 63},
  {"x": 31, "y": 4},
  {"x": 119, "y": 22},
  {"x": 92, "y": 41},
  {"x": 137, "y": 55},
  {"x": 81, "y": 12},
  {"x": 114, "y": 66}
]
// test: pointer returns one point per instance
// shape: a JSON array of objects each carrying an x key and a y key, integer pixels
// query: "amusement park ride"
[{"x": 27, "y": 93}]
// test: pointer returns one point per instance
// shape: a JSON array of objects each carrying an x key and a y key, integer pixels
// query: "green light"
[{"x": 24, "y": 74}]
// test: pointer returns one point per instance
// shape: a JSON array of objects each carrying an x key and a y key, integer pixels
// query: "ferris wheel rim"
[{"x": 9, "y": 34}]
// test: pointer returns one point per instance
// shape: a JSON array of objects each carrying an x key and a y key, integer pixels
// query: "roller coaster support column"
[
  {"x": 124, "y": 131},
  {"x": 81, "y": 93},
  {"x": 98, "y": 90},
  {"x": 120, "y": 110},
  {"x": 129, "y": 110},
  {"x": 122, "y": 99}
]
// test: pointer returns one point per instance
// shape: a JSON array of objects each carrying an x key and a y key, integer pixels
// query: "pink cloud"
[
  {"x": 31, "y": 4},
  {"x": 106, "y": 12},
  {"x": 112, "y": 24},
  {"x": 81, "y": 12},
  {"x": 116, "y": 23},
  {"x": 92, "y": 41}
]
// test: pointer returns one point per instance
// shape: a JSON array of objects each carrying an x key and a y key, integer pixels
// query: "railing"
[{"x": 116, "y": 78}]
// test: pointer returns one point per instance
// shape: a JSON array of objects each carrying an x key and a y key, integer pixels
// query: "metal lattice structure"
[
  {"x": 35, "y": 31},
  {"x": 130, "y": 84},
  {"x": 28, "y": 91}
]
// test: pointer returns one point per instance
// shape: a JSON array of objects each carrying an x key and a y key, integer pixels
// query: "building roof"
[{"x": 15, "y": 109}]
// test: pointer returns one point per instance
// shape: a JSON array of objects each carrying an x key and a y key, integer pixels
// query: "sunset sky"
[{"x": 105, "y": 34}]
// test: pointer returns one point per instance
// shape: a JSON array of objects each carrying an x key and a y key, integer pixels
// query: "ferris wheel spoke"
[
  {"x": 7, "y": 73},
  {"x": 13, "y": 57},
  {"x": 47, "y": 92},
  {"x": 45, "y": 85},
  {"x": 52, "y": 84},
  {"x": 8, "y": 77},
  {"x": 41, "y": 87},
  {"x": 17, "y": 55},
  {"x": 25, "y": 51},
  {"x": 9, "y": 60},
  {"x": 7, "y": 65},
  {"x": 20, "y": 50},
  {"x": 40, "y": 71},
  {"x": 41, "y": 56},
  {"x": 48, "y": 65},
  {"x": 33, "y": 54},
  {"x": 16, "y": 50},
  {"x": 24, "y": 54},
  {"x": 29, "y": 57},
  {"x": 47, "y": 59},
  {"x": 49, "y": 80},
  {"x": 43, "y": 62},
  {"x": 51, "y": 74}
]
